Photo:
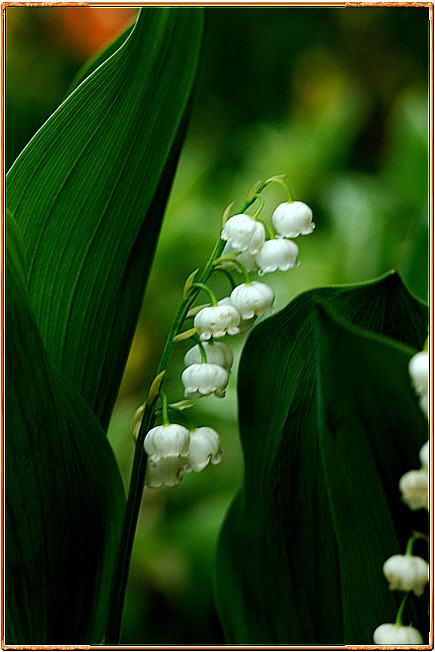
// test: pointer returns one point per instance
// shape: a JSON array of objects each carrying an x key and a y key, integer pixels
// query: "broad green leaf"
[
  {"x": 370, "y": 430},
  {"x": 64, "y": 494},
  {"x": 100, "y": 57},
  {"x": 301, "y": 550},
  {"x": 89, "y": 191}
]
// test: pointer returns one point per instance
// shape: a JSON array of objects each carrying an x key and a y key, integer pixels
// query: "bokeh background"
[{"x": 337, "y": 99}]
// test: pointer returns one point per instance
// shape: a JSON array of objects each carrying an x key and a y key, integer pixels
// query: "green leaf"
[
  {"x": 415, "y": 266},
  {"x": 64, "y": 495},
  {"x": 329, "y": 423},
  {"x": 89, "y": 192}
]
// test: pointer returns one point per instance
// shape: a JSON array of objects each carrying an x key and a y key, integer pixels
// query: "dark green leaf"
[
  {"x": 64, "y": 494},
  {"x": 89, "y": 191},
  {"x": 329, "y": 423}
]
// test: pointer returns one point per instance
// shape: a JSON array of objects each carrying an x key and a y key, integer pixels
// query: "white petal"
[
  {"x": 292, "y": 219},
  {"x": 414, "y": 486},
  {"x": 252, "y": 299},
  {"x": 391, "y": 634},
  {"x": 216, "y": 353},
  {"x": 166, "y": 471},
  {"x": 277, "y": 254},
  {"x": 205, "y": 446},
  {"x": 204, "y": 379},
  {"x": 243, "y": 233},
  {"x": 406, "y": 573},
  {"x": 167, "y": 441}
]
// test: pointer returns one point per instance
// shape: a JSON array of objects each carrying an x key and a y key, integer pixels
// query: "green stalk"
[{"x": 137, "y": 478}]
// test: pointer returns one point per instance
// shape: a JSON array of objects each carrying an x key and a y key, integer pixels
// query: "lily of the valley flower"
[
  {"x": 216, "y": 353},
  {"x": 217, "y": 321},
  {"x": 292, "y": 219},
  {"x": 204, "y": 447},
  {"x": 406, "y": 573},
  {"x": 252, "y": 299},
  {"x": 414, "y": 486},
  {"x": 171, "y": 440},
  {"x": 204, "y": 379},
  {"x": 391, "y": 634},
  {"x": 277, "y": 254},
  {"x": 244, "y": 233}
]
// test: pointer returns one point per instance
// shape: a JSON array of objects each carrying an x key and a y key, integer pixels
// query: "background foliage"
[{"x": 336, "y": 99}]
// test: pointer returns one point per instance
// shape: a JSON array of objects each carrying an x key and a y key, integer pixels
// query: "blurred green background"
[{"x": 337, "y": 99}]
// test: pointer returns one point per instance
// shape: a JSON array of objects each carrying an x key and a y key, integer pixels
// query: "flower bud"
[
  {"x": 165, "y": 471},
  {"x": 216, "y": 353},
  {"x": 292, "y": 219},
  {"x": 204, "y": 379},
  {"x": 216, "y": 321},
  {"x": 204, "y": 447},
  {"x": 243, "y": 233},
  {"x": 391, "y": 634},
  {"x": 406, "y": 573},
  {"x": 414, "y": 486},
  {"x": 277, "y": 254},
  {"x": 170, "y": 440},
  {"x": 252, "y": 299}
]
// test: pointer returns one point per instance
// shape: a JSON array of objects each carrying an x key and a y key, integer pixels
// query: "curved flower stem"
[
  {"x": 137, "y": 478},
  {"x": 260, "y": 208},
  {"x": 203, "y": 286},
  {"x": 268, "y": 229},
  {"x": 227, "y": 274},
  {"x": 410, "y": 545},
  {"x": 282, "y": 183},
  {"x": 242, "y": 268},
  {"x": 400, "y": 611}
]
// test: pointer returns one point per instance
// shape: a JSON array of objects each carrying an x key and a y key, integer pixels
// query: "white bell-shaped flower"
[
  {"x": 243, "y": 233},
  {"x": 277, "y": 254},
  {"x": 252, "y": 299},
  {"x": 217, "y": 321},
  {"x": 204, "y": 379},
  {"x": 292, "y": 219},
  {"x": 406, "y": 573},
  {"x": 165, "y": 471},
  {"x": 424, "y": 455},
  {"x": 204, "y": 447},
  {"x": 244, "y": 324},
  {"x": 419, "y": 372},
  {"x": 216, "y": 353},
  {"x": 391, "y": 634},
  {"x": 171, "y": 440},
  {"x": 414, "y": 486}
]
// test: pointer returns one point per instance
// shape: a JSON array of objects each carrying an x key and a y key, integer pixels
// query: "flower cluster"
[
  {"x": 408, "y": 572},
  {"x": 173, "y": 448},
  {"x": 247, "y": 235}
]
